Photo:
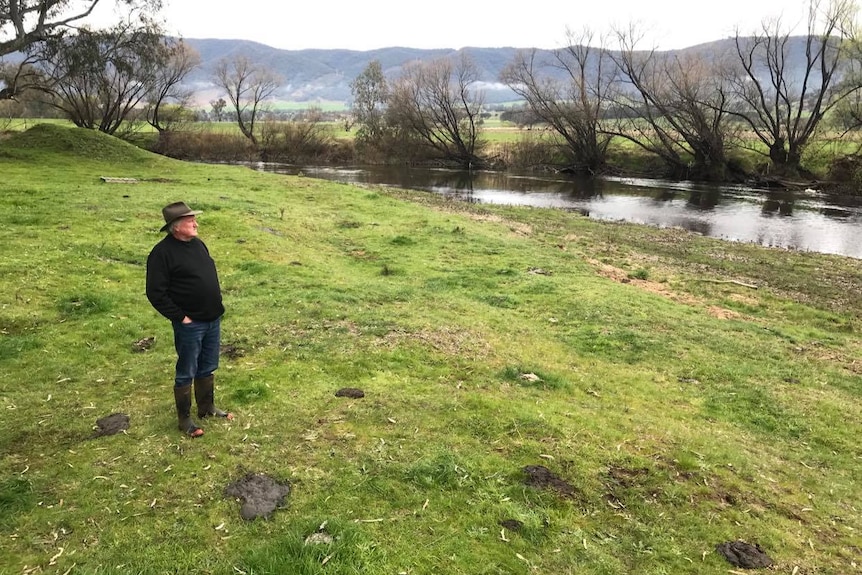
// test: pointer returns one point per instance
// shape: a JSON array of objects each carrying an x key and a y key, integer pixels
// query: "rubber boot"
[
  {"x": 205, "y": 398},
  {"x": 183, "y": 399}
]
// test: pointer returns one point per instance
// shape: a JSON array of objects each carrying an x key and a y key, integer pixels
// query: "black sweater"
[{"x": 182, "y": 280}]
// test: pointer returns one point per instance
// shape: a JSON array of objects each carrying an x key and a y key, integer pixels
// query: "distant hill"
[{"x": 325, "y": 75}]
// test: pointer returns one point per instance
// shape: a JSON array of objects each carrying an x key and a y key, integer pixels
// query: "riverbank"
[
  {"x": 540, "y": 392},
  {"x": 805, "y": 220}
]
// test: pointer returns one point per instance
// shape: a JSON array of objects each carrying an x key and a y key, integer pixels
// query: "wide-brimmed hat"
[{"x": 175, "y": 211}]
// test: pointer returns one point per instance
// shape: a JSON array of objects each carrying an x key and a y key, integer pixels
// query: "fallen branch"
[{"x": 739, "y": 283}]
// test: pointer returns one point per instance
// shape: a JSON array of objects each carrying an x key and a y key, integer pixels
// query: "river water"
[{"x": 802, "y": 220}]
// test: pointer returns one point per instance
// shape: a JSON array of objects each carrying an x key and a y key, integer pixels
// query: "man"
[{"x": 183, "y": 286}]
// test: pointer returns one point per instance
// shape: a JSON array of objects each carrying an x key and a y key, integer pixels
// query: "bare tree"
[
  {"x": 98, "y": 78},
  {"x": 672, "y": 107},
  {"x": 784, "y": 111},
  {"x": 573, "y": 107},
  {"x": 247, "y": 86},
  {"x": 435, "y": 102},
  {"x": 27, "y": 22},
  {"x": 168, "y": 103}
]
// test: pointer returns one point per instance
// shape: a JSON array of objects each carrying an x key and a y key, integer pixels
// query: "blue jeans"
[{"x": 197, "y": 344}]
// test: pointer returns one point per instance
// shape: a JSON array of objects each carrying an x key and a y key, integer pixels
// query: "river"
[{"x": 801, "y": 220}]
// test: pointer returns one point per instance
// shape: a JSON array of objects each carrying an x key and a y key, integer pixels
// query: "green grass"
[{"x": 682, "y": 409}]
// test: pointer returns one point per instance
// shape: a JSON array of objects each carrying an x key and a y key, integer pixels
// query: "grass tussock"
[{"x": 541, "y": 393}]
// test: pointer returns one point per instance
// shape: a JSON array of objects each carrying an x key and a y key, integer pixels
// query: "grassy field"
[{"x": 543, "y": 393}]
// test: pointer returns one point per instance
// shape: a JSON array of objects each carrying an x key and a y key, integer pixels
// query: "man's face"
[{"x": 186, "y": 228}]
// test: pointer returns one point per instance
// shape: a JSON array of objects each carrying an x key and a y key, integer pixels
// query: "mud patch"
[
  {"x": 111, "y": 424},
  {"x": 745, "y": 555},
  {"x": 259, "y": 493},
  {"x": 541, "y": 477},
  {"x": 350, "y": 392}
]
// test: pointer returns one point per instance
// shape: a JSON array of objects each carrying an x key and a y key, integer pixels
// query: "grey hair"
[{"x": 173, "y": 225}]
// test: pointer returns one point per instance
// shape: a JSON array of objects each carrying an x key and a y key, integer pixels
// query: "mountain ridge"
[{"x": 324, "y": 75}]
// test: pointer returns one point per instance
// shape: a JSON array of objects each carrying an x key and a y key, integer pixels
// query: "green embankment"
[{"x": 681, "y": 392}]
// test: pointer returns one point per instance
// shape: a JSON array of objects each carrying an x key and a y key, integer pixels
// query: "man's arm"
[{"x": 158, "y": 281}]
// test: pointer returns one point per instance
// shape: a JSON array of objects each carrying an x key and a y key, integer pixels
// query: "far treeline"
[{"x": 780, "y": 105}]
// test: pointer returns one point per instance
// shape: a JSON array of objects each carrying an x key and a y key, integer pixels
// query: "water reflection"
[{"x": 805, "y": 221}]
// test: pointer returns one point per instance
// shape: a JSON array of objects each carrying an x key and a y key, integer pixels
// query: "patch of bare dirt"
[
  {"x": 619, "y": 275},
  {"x": 541, "y": 477},
  {"x": 350, "y": 392},
  {"x": 259, "y": 493}
]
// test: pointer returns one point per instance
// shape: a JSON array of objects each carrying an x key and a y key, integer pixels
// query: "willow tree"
[
  {"x": 436, "y": 103},
  {"x": 672, "y": 106},
  {"x": 570, "y": 93},
  {"x": 783, "y": 108}
]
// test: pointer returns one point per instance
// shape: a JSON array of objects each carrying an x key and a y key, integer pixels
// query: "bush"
[{"x": 206, "y": 146}]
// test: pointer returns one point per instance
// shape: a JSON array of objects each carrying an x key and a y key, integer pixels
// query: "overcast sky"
[{"x": 370, "y": 24}]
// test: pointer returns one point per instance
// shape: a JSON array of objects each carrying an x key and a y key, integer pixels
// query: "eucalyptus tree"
[
  {"x": 24, "y": 23},
  {"x": 570, "y": 93},
  {"x": 218, "y": 107},
  {"x": 436, "y": 103},
  {"x": 781, "y": 107},
  {"x": 99, "y": 78},
  {"x": 370, "y": 92},
  {"x": 247, "y": 86}
]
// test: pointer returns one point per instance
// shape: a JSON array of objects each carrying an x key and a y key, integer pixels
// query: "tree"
[
  {"x": 370, "y": 95},
  {"x": 18, "y": 79},
  {"x": 168, "y": 102},
  {"x": 573, "y": 107},
  {"x": 218, "y": 107},
  {"x": 98, "y": 78},
  {"x": 24, "y": 23},
  {"x": 785, "y": 111},
  {"x": 673, "y": 107},
  {"x": 434, "y": 102},
  {"x": 247, "y": 87}
]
